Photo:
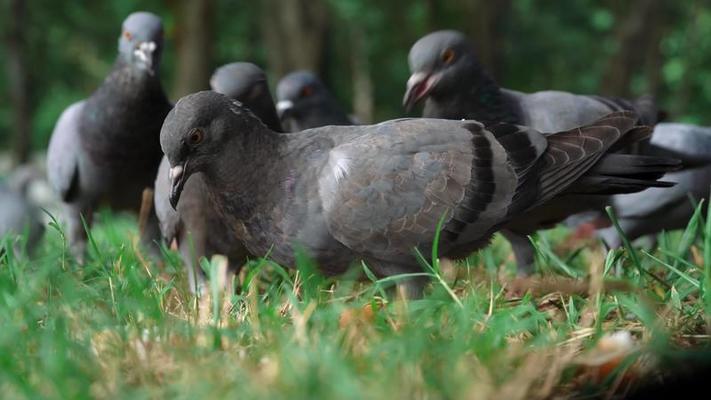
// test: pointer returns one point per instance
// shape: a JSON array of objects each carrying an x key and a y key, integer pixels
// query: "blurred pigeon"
[
  {"x": 105, "y": 149},
  {"x": 304, "y": 102},
  {"x": 18, "y": 215},
  {"x": 653, "y": 210},
  {"x": 196, "y": 226},
  {"x": 447, "y": 75},
  {"x": 247, "y": 83},
  {"x": 374, "y": 192}
]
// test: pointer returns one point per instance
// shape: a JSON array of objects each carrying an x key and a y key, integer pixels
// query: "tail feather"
[
  {"x": 648, "y": 167},
  {"x": 582, "y": 160},
  {"x": 693, "y": 160},
  {"x": 608, "y": 185}
]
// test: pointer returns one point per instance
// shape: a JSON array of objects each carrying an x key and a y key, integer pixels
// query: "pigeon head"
[
  {"x": 298, "y": 91},
  {"x": 141, "y": 41},
  {"x": 439, "y": 62},
  {"x": 196, "y": 133},
  {"x": 247, "y": 83},
  {"x": 240, "y": 81}
]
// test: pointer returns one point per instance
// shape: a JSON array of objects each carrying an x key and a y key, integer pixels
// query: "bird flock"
[{"x": 234, "y": 172}]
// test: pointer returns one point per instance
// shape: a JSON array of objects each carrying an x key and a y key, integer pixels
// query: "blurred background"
[{"x": 54, "y": 53}]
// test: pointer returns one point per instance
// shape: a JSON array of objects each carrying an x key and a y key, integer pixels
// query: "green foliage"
[
  {"x": 538, "y": 45},
  {"x": 123, "y": 327}
]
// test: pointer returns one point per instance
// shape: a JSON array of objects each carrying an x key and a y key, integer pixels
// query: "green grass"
[{"x": 124, "y": 327}]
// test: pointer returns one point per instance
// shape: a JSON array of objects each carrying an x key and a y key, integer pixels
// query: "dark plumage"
[
  {"x": 106, "y": 148},
  {"x": 448, "y": 77},
  {"x": 304, "y": 102},
  {"x": 653, "y": 210},
  {"x": 374, "y": 192},
  {"x": 195, "y": 226}
]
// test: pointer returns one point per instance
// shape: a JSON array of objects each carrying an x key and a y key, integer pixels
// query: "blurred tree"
[
  {"x": 488, "y": 30},
  {"x": 360, "y": 48},
  {"x": 194, "y": 42},
  {"x": 484, "y": 21},
  {"x": 639, "y": 31},
  {"x": 687, "y": 72},
  {"x": 295, "y": 33},
  {"x": 18, "y": 78},
  {"x": 363, "y": 100}
]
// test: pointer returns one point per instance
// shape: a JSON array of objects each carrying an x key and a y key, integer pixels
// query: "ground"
[{"x": 589, "y": 324}]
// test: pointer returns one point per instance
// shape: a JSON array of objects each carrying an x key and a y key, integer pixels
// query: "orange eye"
[
  {"x": 448, "y": 56},
  {"x": 127, "y": 35},
  {"x": 196, "y": 137},
  {"x": 307, "y": 91}
]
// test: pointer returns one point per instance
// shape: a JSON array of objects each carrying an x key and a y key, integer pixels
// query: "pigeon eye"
[
  {"x": 448, "y": 56},
  {"x": 127, "y": 35},
  {"x": 196, "y": 137},
  {"x": 307, "y": 91}
]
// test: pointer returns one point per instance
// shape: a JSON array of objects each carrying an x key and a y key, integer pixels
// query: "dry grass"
[{"x": 125, "y": 326}]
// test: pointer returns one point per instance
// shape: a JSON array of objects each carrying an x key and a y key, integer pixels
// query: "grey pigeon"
[
  {"x": 304, "y": 102},
  {"x": 105, "y": 149},
  {"x": 18, "y": 216},
  {"x": 247, "y": 83},
  {"x": 448, "y": 77},
  {"x": 374, "y": 192},
  {"x": 195, "y": 226},
  {"x": 653, "y": 210}
]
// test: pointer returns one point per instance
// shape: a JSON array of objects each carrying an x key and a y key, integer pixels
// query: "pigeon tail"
[{"x": 582, "y": 160}]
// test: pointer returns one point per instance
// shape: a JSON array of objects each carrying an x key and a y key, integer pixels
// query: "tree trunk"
[
  {"x": 483, "y": 21},
  {"x": 194, "y": 42},
  {"x": 19, "y": 80},
  {"x": 638, "y": 34},
  {"x": 294, "y": 33},
  {"x": 486, "y": 30},
  {"x": 363, "y": 106},
  {"x": 434, "y": 14}
]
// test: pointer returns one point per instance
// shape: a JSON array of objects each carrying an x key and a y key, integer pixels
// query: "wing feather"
[
  {"x": 62, "y": 153},
  {"x": 385, "y": 205}
]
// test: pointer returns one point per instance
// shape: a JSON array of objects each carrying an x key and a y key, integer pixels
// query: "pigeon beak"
[
  {"x": 283, "y": 107},
  {"x": 177, "y": 181},
  {"x": 144, "y": 54},
  {"x": 418, "y": 87}
]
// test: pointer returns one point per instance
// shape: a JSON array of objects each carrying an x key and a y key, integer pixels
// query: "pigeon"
[
  {"x": 374, "y": 193},
  {"x": 18, "y": 215},
  {"x": 105, "y": 149},
  {"x": 448, "y": 77},
  {"x": 195, "y": 226},
  {"x": 650, "y": 211},
  {"x": 247, "y": 83},
  {"x": 304, "y": 102}
]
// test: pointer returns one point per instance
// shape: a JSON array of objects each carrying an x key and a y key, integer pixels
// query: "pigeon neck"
[
  {"x": 332, "y": 108},
  {"x": 262, "y": 105},
  {"x": 243, "y": 172},
  {"x": 481, "y": 100},
  {"x": 133, "y": 80},
  {"x": 491, "y": 105},
  {"x": 269, "y": 115}
]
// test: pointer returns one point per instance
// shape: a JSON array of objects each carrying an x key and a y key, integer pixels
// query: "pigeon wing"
[
  {"x": 63, "y": 153},
  {"x": 384, "y": 192}
]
